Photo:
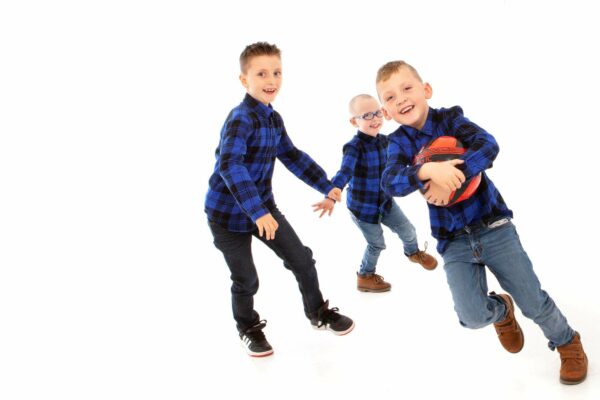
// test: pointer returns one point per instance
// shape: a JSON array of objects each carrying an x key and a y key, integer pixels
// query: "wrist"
[{"x": 424, "y": 173}]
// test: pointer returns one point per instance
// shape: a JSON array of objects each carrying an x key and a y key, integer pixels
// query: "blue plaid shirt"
[
  {"x": 400, "y": 176},
  {"x": 240, "y": 187},
  {"x": 362, "y": 166}
]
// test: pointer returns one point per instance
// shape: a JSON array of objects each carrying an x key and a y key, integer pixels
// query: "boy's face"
[
  {"x": 262, "y": 78},
  {"x": 367, "y": 116},
  {"x": 404, "y": 98}
]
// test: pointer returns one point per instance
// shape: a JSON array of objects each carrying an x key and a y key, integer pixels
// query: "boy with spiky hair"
[{"x": 240, "y": 203}]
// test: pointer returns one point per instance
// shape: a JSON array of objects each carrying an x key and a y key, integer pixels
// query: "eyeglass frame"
[{"x": 365, "y": 116}]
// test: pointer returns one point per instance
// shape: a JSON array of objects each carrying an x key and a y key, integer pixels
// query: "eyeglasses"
[{"x": 370, "y": 115}]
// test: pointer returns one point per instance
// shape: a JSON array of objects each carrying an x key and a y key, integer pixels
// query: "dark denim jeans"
[
  {"x": 500, "y": 250},
  {"x": 236, "y": 248}
]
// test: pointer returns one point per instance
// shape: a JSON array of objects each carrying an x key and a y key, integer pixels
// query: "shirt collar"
[
  {"x": 427, "y": 128},
  {"x": 257, "y": 106},
  {"x": 367, "y": 138}
]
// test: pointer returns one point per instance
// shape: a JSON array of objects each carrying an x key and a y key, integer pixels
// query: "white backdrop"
[{"x": 110, "y": 113}]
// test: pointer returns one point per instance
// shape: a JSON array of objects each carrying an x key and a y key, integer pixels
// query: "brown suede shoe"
[
  {"x": 573, "y": 362},
  {"x": 372, "y": 283},
  {"x": 427, "y": 261},
  {"x": 508, "y": 330}
]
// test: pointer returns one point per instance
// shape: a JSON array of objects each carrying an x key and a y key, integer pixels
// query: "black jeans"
[{"x": 236, "y": 248}]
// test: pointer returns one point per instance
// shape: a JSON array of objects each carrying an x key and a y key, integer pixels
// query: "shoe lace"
[
  {"x": 255, "y": 332},
  {"x": 421, "y": 254},
  {"x": 328, "y": 315},
  {"x": 378, "y": 279}
]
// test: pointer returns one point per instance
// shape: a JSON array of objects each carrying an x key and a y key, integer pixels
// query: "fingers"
[
  {"x": 270, "y": 228},
  {"x": 268, "y": 225},
  {"x": 455, "y": 181}
]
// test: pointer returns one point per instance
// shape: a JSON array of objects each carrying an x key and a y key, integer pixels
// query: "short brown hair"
[
  {"x": 257, "y": 49},
  {"x": 392, "y": 67}
]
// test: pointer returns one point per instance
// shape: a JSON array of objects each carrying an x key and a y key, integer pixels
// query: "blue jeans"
[
  {"x": 398, "y": 223},
  {"x": 500, "y": 250},
  {"x": 237, "y": 250}
]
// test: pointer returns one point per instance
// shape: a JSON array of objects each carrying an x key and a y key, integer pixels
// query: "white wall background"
[{"x": 110, "y": 112}]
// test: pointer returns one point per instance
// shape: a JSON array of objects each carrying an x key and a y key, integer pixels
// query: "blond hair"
[{"x": 386, "y": 71}]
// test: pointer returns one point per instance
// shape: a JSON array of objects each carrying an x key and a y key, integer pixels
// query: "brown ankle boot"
[
  {"x": 372, "y": 283},
  {"x": 508, "y": 330},
  {"x": 427, "y": 261},
  {"x": 573, "y": 362}
]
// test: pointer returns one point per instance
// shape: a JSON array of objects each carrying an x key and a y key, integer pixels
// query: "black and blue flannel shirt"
[
  {"x": 400, "y": 175},
  {"x": 362, "y": 166},
  {"x": 240, "y": 192}
]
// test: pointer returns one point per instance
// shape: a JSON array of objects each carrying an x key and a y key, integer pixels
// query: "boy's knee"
[
  {"x": 475, "y": 320},
  {"x": 473, "y": 324},
  {"x": 302, "y": 258}
]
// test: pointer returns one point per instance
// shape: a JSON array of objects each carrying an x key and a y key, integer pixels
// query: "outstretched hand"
[{"x": 325, "y": 205}]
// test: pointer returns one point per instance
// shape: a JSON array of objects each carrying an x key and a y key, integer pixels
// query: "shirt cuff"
[{"x": 259, "y": 212}]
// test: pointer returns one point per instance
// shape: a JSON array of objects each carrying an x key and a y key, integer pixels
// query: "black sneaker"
[
  {"x": 254, "y": 340},
  {"x": 330, "y": 319}
]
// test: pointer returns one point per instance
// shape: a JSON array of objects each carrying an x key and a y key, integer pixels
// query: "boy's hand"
[
  {"x": 335, "y": 194},
  {"x": 325, "y": 205},
  {"x": 268, "y": 224},
  {"x": 436, "y": 194},
  {"x": 443, "y": 173}
]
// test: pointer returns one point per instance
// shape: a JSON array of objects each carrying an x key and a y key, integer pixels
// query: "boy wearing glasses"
[
  {"x": 240, "y": 204},
  {"x": 475, "y": 233},
  {"x": 362, "y": 165}
]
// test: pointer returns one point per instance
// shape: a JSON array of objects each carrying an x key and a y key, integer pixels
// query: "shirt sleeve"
[
  {"x": 233, "y": 170},
  {"x": 399, "y": 177},
  {"x": 482, "y": 148},
  {"x": 301, "y": 165},
  {"x": 346, "y": 172}
]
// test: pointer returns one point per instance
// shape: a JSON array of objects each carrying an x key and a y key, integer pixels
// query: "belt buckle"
[{"x": 498, "y": 223}]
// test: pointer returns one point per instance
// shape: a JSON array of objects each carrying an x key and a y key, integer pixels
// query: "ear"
[
  {"x": 386, "y": 115},
  {"x": 244, "y": 80},
  {"x": 428, "y": 90},
  {"x": 353, "y": 122}
]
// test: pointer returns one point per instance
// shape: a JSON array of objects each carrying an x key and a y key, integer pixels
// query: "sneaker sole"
[
  {"x": 338, "y": 333},
  {"x": 260, "y": 355},
  {"x": 256, "y": 354}
]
